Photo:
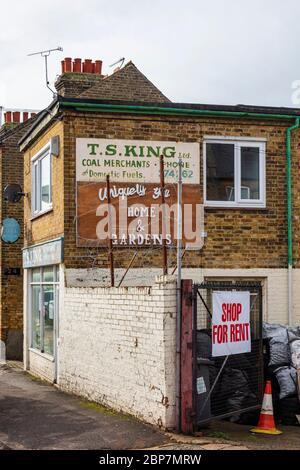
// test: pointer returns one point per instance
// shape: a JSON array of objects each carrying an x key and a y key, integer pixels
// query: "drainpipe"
[
  {"x": 179, "y": 294},
  {"x": 289, "y": 217}
]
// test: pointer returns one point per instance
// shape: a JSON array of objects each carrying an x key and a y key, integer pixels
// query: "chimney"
[
  {"x": 77, "y": 76},
  {"x": 14, "y": 117}
]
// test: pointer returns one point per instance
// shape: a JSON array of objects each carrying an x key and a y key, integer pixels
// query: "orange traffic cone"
[{"x": 266, "y": 424}]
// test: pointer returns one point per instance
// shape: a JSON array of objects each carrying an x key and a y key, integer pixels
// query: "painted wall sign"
[
  {"x": 231, "y": 323},
  {"x": 10, "y": 230},
  {"x": 135, "y": 161},
  {"x": 43, "y": 254},
  {"x": 135, "y": 215}
]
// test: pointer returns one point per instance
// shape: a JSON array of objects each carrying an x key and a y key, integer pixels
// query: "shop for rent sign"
[
  {"x": 231, "y": 323},
  {"x": 136, "y": 161}
]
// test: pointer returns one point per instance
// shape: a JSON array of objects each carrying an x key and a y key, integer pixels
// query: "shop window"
[
  {"x": 42, "y": 181},
  {"x": 44, "y": 290},
  {"x": 234, "y": 173}
]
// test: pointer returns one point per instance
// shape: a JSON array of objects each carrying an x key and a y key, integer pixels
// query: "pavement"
[
  {"x": 36, "y": 415},
  {"x": 226, "y": 431}
]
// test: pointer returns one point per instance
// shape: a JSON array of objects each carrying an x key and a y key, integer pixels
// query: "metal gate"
[{"x": 228, "y": 385}]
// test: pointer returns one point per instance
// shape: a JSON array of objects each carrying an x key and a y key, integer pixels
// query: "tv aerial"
[
  {"x": 46, "y": 54},
  {"x": 120, "y": 61}
]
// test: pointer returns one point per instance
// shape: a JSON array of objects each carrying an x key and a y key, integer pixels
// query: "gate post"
[{"x": 187, "y": 357}]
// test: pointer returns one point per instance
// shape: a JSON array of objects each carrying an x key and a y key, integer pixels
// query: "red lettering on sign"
[
  {"x": 238, "y": 310},
  {"x": 223, "y": 318},
  {"x": 231, "y": 312},
  {"x": 220, "y": 334},
  {"x": 239, "y": 332},
  {"x": 232, "y": 333}
]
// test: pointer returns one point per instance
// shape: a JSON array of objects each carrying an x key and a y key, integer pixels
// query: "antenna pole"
[
  {"x": 162, "y": 186},
  {"x": 46, "y": 71},
  {"x": 45, "y": 54},
  {"x": 118, "y": 61}
]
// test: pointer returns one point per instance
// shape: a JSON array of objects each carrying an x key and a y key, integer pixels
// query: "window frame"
[
  {"x": 238, "y": 143},
  {"x": 41, "y": 283},
  {"x": 36, "y": 181}
]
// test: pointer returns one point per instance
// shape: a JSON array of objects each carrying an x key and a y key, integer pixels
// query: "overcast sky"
[{"x": 216, "y": 51}]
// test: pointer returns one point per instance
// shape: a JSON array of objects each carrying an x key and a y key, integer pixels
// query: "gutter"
[
  {"x": 289, "y": 217},
  {"x": 160, "y": 110}
]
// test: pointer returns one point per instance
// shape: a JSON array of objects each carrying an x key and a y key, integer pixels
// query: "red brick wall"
[{"x": 11, "y": 305}]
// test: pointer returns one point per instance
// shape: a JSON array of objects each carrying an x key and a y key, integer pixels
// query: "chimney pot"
[
  {"x": 32, "y": 114},
  {"x": 88, "y": 67},
  {"x": 63, "y": 66},
  {"x": 68, "y": 64},
  {"x": 25, "y": 116},
  {"x": 77, "y": 65},
  {"x": 98, "y": 66},
  {"x": 7, "y": 116},
  {"x": 16, "y": 116}
]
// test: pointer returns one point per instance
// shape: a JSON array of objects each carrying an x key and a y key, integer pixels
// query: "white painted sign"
[
  {"x": 136, "y": 161},
  {"x": 231, "y": 323},
  {"x": 43, "y": 254}
]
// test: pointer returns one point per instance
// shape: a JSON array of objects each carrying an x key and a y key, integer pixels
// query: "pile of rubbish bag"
[
  {"x": 235, "y": 387},
  {"x": 282, "y": 360}
]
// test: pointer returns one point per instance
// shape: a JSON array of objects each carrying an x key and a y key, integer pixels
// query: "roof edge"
[
  {"x": 180, "y": 108},
  {"x": 185, "y": 106},
  {"x": 163, "y": 108}
]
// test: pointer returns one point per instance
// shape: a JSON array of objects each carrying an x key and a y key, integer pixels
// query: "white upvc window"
[
  {"x": 234, "y": 172},
  {"x": 41, "y": 171}
]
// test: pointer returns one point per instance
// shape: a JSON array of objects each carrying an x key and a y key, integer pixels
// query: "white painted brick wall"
[
  {"x": 41, "y": 366},
  {"x": 117, "y": 347},
  {"x": 274, "y": 283}
]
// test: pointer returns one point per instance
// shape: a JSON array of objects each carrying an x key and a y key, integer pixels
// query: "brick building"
[
  {"x": 11, "y": 302},
  {"x": 241, "y": 162}
]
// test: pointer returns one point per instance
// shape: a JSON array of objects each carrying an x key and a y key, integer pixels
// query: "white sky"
[{"x": 201, "y": 51}]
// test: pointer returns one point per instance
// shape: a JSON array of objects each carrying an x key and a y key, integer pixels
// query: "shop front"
[{"x": 42, "y": 274}]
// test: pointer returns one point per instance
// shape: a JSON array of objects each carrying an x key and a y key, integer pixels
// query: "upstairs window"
[
  {"x": 234, "y": 173},
  {"x": 42, "y": 181}
]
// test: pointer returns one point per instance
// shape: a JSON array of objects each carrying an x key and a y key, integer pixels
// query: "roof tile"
[{"x": 126, "y": 84}]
